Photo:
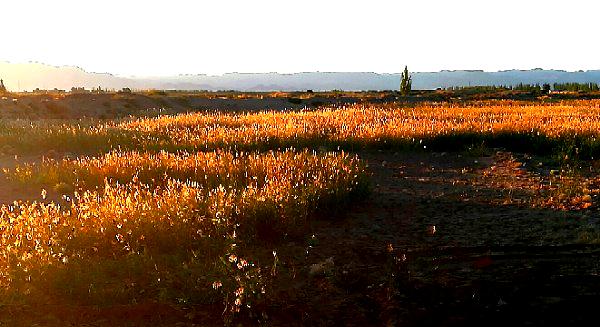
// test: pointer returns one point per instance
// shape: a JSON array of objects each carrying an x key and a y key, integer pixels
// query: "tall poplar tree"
[{"x": 406, "y": 82}]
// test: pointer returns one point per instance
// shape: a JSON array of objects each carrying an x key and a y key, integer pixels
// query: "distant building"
[
  {"x": 79, "y": 90},
  {"x": 53, "y": 91}
]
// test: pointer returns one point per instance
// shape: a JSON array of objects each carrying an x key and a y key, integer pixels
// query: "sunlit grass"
[
  {"x": 171, "y": 202},
  {"x": 186, "y": 207},
  {"x": 542, "y": 128},
  {"x": 539, "y": 127}
]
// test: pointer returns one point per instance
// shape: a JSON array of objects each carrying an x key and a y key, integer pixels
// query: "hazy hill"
[{"x": 34, "y": 75}]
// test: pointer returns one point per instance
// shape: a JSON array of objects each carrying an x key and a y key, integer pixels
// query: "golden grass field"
[{"x": 196, "y": 208}]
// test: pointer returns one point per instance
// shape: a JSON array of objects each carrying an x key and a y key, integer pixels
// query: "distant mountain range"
[{"x": 29, "y": 76}]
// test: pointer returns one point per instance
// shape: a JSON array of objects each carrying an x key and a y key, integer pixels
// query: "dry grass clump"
[
  {"x": 367, "y": 122},
  {"x": 537, "y": 187},
  {"x": 209, "y": 169},
  {"x": 543, "y": 126},
  {"x": 570, "y": 126},
  {"x": 59, "y": 136},
  {"x": 184, "y": 209}
]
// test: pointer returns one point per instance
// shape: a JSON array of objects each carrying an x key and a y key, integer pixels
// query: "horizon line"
[{"x": 292, "y": 73}]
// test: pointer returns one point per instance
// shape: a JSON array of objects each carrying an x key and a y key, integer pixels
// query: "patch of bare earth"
[{"x": 447, "y": 240}]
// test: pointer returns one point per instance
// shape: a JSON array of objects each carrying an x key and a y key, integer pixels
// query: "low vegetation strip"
[
  {"x": 209, "y": 169},
  {"x": 541, "y": 128},
  {"x": 181, "y": 208},
  {"x": 570, "y": 126}
]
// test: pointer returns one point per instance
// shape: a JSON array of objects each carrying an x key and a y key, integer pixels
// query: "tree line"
[
  {"x": 546, "y": 87},
  {"x": 406, "y": 86}
]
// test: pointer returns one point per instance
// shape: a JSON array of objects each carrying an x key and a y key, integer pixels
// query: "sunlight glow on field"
[{"x": 193, "y": 193}]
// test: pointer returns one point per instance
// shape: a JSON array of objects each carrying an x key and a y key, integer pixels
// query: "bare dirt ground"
[
  {"x": 440, "y": 242},
  {"x": 435, "y": 245}
]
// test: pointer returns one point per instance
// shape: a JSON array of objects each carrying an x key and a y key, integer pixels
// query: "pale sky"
[{"x": 153, "y": 38}]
